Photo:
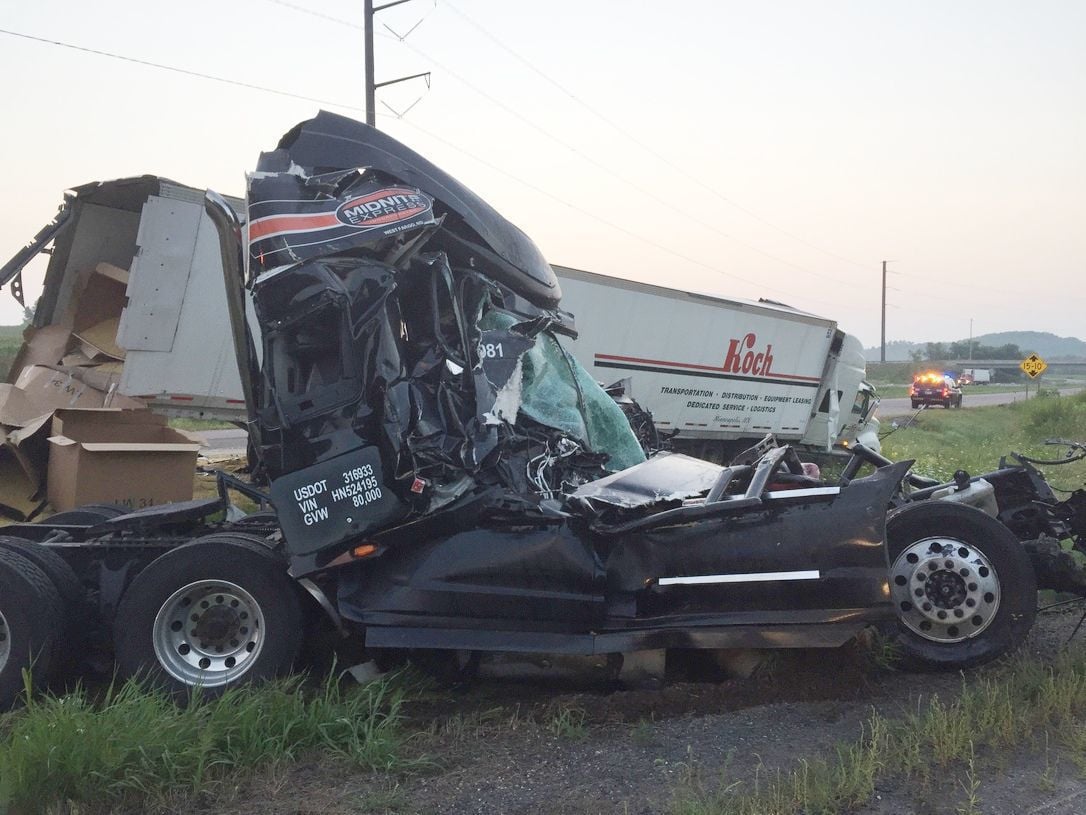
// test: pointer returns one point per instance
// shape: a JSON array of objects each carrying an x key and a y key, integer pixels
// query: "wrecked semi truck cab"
[
  {"x": 447, "y": 473},
  {"x": 718, "y": 373},
  {"x": 444, "y": 474}
]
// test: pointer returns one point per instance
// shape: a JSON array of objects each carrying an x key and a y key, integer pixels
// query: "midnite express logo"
[{"x": 382, "y": 207}]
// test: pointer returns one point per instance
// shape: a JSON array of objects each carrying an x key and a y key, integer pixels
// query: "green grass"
[
  {"x": 1012, "y": 708},
  {"x": 185, "y": 423},
  {"x": 567, "y": 722},
  {"x": 946, "y": 440},
  {"x": 136, "y": 745}
]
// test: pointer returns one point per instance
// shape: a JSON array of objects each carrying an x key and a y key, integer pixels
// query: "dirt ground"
[{"x": 546, "y": 745}]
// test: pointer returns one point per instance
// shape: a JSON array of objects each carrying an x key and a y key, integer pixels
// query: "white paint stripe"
[
  {"x": 753, "y": 577},
  {"x": 809, "y": 492}
]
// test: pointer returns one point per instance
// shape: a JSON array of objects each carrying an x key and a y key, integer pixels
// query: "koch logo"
[
  {"x": 742, "y": 359},
  {"x": 383, "y": 207}
]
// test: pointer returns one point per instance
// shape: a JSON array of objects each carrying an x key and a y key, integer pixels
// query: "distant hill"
[
  {"x": 896, "y": 351},
  {"x": 1043, "y": 343}
]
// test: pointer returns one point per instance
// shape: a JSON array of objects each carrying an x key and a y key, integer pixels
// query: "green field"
[{"x": 948, "y": 440}]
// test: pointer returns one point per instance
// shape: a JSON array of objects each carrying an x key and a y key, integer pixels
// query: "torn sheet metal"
[{"x": 666, "y": 477}]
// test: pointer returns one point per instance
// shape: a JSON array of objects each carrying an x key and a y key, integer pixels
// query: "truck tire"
[
  {"x": 213, "y": 613},
  {"x": 30, "y": 614},
  {"x": 962, "y": 584},
  {"x": 915, "y": 404},
  {"x": 60, "y": 574},
  {"x": 69, "y": 646}
]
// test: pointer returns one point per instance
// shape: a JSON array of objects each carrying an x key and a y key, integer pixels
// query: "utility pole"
[
  {"x": 368, "y": 11},
  {"x": 882, "y": 356},
  {"x": 970, "y": 339}
]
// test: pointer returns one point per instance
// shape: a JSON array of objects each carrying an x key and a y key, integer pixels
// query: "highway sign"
[{"x": 1033, "y": 365}]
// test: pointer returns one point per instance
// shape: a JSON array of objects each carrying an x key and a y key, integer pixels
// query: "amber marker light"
[{"x": 360, "y": 551}]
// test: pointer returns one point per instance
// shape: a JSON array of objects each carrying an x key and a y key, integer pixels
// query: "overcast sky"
[{"x": 772, "y": 149}]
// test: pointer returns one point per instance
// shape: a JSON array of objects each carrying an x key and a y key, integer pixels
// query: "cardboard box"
[
  {"x": 127, "y": 457},
  {"x": 51, "y": 388},
  {"x": 42, "y": 346}
]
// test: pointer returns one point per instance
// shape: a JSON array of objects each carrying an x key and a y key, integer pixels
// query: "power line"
[
  {"x": 250, "y": 86},
  {"x": 176, "y": 70},
  {"x": 602, "y": 167},
  {"x": 319, "y": 14},
  {"x": 576, "y": 151},
  {"x": 647, "y": 148},
  {"x": 594, "y": 216}
]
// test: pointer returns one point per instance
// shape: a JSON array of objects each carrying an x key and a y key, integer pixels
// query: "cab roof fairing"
[{"x": 330, "y": 143}]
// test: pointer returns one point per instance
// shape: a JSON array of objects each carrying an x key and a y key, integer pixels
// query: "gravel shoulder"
[{"x": 548, "y": 746}]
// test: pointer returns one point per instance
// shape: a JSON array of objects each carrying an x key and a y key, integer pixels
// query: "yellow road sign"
[{"x": 1033, "y": 365}]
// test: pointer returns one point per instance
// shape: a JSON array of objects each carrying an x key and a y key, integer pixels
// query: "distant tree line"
[{"x": 960, "y": 350}]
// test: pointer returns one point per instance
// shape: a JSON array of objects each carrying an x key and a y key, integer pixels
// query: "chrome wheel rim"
[
  {"x": 208, "y": 633},
  {"x": 944, "y": 589},
  {"x": 5, "y": 642}
]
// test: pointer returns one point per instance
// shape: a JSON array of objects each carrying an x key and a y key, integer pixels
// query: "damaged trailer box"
[
  {"x": 122, "y": 311},
  {"x": 132, "y": 302}
]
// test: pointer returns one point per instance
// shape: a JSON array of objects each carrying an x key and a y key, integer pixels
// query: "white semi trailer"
[
  {"x": 715, "y": 371},
  {"x": 719, "y": 372}
]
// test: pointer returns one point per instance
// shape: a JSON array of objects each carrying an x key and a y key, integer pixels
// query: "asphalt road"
[
  {"x": 223, "y": 443},
  {"x": 973, "y": 397}
]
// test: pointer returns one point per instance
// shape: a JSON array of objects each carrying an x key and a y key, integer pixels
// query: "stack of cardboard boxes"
[{"x": 68, "y": 437}]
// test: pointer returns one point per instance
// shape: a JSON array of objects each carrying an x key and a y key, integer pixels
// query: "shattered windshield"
[{"x": 552, "y": 388}]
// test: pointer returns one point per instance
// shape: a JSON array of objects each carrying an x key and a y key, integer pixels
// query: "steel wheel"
[
  {"x": 945, "y": 590},
  {"x": 213, "y": 613},
  {"x": 957, "y": 620},
  {"x": 208, "y": 633}
]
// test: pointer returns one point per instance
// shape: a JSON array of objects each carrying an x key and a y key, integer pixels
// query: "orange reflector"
[{"x": 365, "y": 550}]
